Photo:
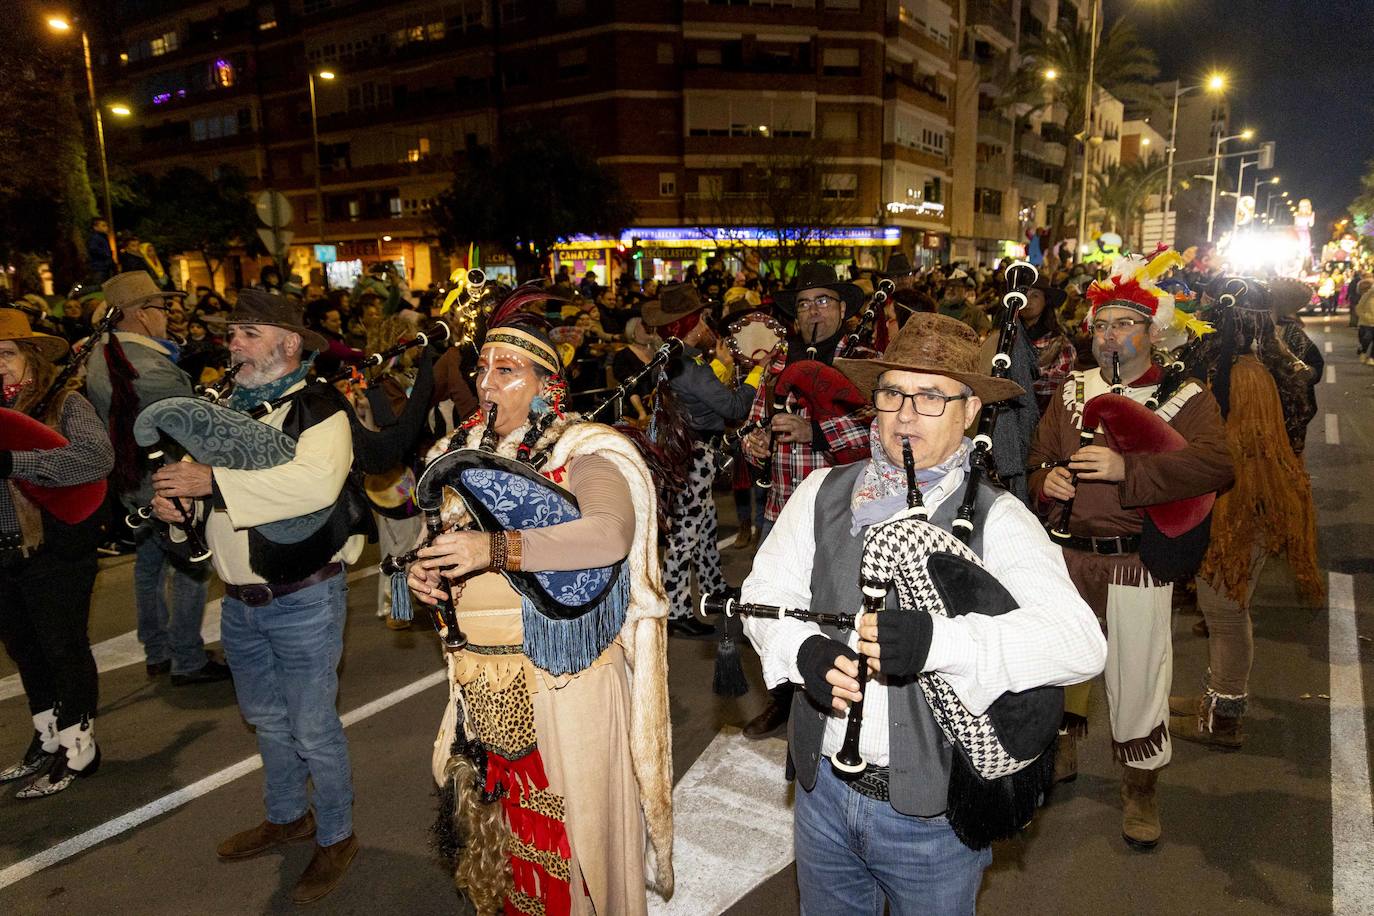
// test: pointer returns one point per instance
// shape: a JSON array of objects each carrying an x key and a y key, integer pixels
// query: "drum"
[
  {"x": 392, "y": 493},
  {"x": 754, "y": 338}
]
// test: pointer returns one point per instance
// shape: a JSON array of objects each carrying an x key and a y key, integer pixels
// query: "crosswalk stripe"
[
  {"x": 1328, "y": 346},
  {"x": 1333, "y": 429},
  {"x": 1330, "y": 374},
  {"x": 732, "y": 825}
]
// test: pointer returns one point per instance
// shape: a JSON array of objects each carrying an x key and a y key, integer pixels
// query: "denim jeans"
[
  {"x": 852, "y": 852},
  {"x": 285, "y": 658},
  {"x": 169, "y": 631}
]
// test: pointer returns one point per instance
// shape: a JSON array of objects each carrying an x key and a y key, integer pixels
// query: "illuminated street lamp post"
[
  {"x": 1216, "y": 164},
  {"x": 1087, "y": 131},
  {"x": 315, "y": 134},
  {"x": 62, "y": 25},
  {"x": 1215, "y": 83}
]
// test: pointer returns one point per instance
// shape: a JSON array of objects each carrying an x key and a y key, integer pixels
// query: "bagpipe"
[
  {"x": 69, "y": 505},
  {"x": 206, "y": 431},
  {"x": 1020, "y": 276},
  {"x": 863, "y": 333},
  {"x": 568, "y": 617},
  {"x": 1003, "y": 759},
  {"x": 1060, "y": 531}
]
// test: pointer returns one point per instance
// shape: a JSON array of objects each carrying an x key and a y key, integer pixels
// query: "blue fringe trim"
[
  {"x": 570, "y": 646},
  {"x": 400, "y": 597}
]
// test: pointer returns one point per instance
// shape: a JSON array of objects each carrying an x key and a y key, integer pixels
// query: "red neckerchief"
[{"x": 12, "y": 391}]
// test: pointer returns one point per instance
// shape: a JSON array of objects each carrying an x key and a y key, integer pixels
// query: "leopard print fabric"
[{"x": 503, "y": 719}]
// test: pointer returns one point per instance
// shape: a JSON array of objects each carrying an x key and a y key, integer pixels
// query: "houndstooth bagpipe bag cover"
[{"x": 1003, "y": 759}]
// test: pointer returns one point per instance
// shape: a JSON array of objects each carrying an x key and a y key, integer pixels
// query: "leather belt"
[
  {"x": 261, "y": 594},
  {"x": 1111, "y": 547},
  {"x": 871, "y": 783}
]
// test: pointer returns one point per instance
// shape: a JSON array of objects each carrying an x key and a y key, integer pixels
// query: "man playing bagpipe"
[
  {"x": 136, "y": 367},
  {"x": 886, "y": 806},
  {"x": 796, "y": 440},
  {"x": 1132, "y": 520},
  {"x": 707, "y": 404},
  {"x": 284, "y": 603},
  {"x": 555, "y": 741}
]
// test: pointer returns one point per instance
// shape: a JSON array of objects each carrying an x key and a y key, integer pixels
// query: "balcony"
[
  {"x": 1053, "y": 153},
  {"x": 992, "y": 19},
  {"x": 925, "y": 95},
  {"x": 994, "y": 227},
  {"x": 994, "y": 129},
  {"x": 991, "y": 174}
]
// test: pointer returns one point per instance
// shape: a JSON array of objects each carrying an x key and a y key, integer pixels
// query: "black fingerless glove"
[
  {"x": 904, "y": 641},
  {"x": 6, "y": 464},
  {"x": 815, "y": 658}
]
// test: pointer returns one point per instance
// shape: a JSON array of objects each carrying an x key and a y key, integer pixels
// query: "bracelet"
[{"x": 506, "y": 548}]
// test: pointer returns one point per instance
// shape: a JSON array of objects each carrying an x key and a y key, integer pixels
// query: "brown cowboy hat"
[
  {"x": 135, "y": 289},
  {"x": 819, "y": 276},
  {"x": 14, "y": 325},
  {"x": 673, "y": 302},
  {"x": 258, "y": 306},
  {"x": 935, "y": 345}
]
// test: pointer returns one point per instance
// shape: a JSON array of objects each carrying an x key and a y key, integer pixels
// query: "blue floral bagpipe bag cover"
[{"x": 569, "y": 616}]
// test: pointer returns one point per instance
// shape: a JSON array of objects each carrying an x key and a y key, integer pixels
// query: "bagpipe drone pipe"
[{"x": 210, "y": 433}]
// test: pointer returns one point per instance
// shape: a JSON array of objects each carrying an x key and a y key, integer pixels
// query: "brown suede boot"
[
  {"x": 744, "y": 538},
  {"x": 1185, "y": 705},
  {"x": 1066, "y": 758},
  {"x": 326, "y": 870},
  {"x": 266, "y": 835},
  {"x": 1207, "y": 726},
  {"x": 1139, "y": 808}
]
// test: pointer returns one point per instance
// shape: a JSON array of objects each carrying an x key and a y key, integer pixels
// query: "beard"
[{"x": 256, "y": 373}]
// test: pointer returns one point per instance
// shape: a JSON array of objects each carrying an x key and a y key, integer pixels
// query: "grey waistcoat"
[{"x": 918, "y": 754}]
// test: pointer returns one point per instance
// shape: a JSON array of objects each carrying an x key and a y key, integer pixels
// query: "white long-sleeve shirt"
[{"x": 1052, "y": 638}]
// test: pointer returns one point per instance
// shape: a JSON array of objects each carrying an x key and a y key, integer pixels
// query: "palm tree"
[
  {"x": 1124, "y": 67},
  {"x": 1121, "y": 191}
]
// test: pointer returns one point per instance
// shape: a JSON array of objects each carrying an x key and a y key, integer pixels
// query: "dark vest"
[{"x": 918, "y": 754}]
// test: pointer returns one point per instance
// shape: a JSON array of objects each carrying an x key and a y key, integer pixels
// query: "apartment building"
[{"x": 695, "y": 104}]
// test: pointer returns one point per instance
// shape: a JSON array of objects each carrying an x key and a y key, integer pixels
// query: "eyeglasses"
[
  {"x": 816, "y": 304},
  {"x": 164, "y": 308},
  {"x": 925, "y": 403},
  {"x": 1120, "y": 326}
]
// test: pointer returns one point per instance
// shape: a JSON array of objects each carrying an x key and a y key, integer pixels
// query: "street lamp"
[
  {"x": 62, "y": 25},
  {"x": 1215, "y": 83},
  {"x": 1051, "y": 74},
  {"x": 122, "y": 111},
  {"x": 1087, "y": 131},
  {"x": 315, "y": 135},
  {"x": 1216, "y": 164}
]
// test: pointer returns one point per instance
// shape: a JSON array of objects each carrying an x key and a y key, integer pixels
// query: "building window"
[
  {"x": 163, "y": 44},
  {"x": 839, "y": 125},
  {"x": 222, "y": 73},
  {"x": 711, "y": 186},
  {"x": 840, "y": 61},
  {"x": 667, "y": 184},
  {"x": 665, "y": 53},
  {"x": 512, "y": 11},
  {"x": 267, "y": 16},
  {"x": 841, "y": 4},
  {"x": 514, "y": 77},
  {"x": 214, "y": 128},
  {"x": 840, "y": 186},
  {"x": 741, "y": 115},
  {"x": 708, "y": 57},
  {"x": 572, "y": 64},
  {"x": 933, "y": 192},
  {"x": 987, "y": 201},
  {"x": 369, "y": 95},
  {"x": 572, "y": 7}
]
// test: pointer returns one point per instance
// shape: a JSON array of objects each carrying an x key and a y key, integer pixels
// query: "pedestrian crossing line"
[
  {"x": 1330, "y": 374},
  {"x": 1333, "y": 429},
  {"x": 170, "y": 802},
  {"x": 124, "y": 650},
  {"x": 1328, "y": 346},
  {"x": 732, "y": 825},
  {"x": 1352, "y": 812}
]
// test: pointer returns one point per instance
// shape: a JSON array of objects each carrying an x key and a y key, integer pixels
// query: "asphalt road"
[{"x": 1252, "y": 832}]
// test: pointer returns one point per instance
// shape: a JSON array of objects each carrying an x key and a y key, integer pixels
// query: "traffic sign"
[
  {"x": 276, "y": 241},
  {"x": 273, "y": 209}
]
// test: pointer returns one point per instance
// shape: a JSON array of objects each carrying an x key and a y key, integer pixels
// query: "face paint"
[
  {"x": 1132, "y": 349},
  {"x": 507, "y": 380}
]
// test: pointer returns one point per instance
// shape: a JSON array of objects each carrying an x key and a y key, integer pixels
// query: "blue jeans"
[
  {"x": 852, "y": 852},
  {"x": 285, "y": 658},
  {"x": 169, "y": 631}
]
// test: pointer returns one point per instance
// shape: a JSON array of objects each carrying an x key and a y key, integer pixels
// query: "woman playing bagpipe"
[
  {"x": 556, "y": 738},
  {"x": 50, "y": 440},
  {"x": 895, "y": 811}
]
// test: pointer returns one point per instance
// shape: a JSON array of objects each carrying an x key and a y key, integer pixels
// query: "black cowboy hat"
[
  {"x": 1054, "y": 296},
  {"x": 676, "y": 301},
  {"x": 819, "y": 276},
  {"x": 258, "y": 306}
]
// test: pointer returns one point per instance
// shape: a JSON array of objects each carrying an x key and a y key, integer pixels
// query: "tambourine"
[
  {"x": 755, "y": 337},
  {"x": 392, "y": 493}
]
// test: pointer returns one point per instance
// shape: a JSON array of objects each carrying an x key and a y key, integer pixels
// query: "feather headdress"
[{"x": 1134, "y": 284}]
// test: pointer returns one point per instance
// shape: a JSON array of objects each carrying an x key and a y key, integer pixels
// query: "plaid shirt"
[
  {"x": 793, "y": 461},
  {"x": 1057, "y": 356}
]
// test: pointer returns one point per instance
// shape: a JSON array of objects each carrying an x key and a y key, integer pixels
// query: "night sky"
[{"x": 1301, "y": 71}]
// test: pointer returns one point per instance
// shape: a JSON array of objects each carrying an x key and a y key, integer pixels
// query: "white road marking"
[
  {"x": 1333, "y": 429},
  {"x": 83, "y": 841},
  {"x": 1330, "y": 374},
  {"x": 732, "y": 825},
  {"x": 1328, "y": 343},
  {"x": 124, "y": 650},
  {"x": 726, "y": 542},
  {"x": 1352, "y": 813}
]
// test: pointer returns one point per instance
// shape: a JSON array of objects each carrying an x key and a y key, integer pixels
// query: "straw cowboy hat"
[
  {"x": 135, "y": 289},
  {"x": 14, "y": 325},
  {"x": 933, "y": 345},
  {"x": 258, "y": 306}
]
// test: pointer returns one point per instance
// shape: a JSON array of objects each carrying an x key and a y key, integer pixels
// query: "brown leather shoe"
[
  {"x": 1066, "y": 758},
  {"x": 1139, "y": 808},
  {"x": 774, "y": 715},
  {"x": 266, "y": 835},
  {"x": 326, "y": 869}
]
